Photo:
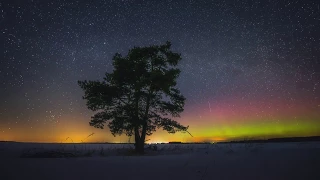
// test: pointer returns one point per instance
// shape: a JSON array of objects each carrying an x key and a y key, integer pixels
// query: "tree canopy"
[{"x": 140, "y": 95}]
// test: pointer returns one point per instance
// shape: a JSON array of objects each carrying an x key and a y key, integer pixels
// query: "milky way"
[{"x": 250, "y": 69}]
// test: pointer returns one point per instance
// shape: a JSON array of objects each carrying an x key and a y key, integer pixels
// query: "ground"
[{"x": 186, "y": 161}]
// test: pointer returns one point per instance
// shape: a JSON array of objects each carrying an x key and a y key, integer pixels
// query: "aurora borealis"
[{"x": 250, "y": 69}]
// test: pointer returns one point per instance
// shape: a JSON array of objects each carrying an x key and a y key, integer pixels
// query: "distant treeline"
[{"x": 289, "y": 139}]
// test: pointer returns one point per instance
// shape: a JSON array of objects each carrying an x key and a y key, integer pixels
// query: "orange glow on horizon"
[{"x": 222, "y": 123}]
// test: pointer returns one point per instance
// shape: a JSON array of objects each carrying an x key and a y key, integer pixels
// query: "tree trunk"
[
  {"x": 140, "y": 138},
  {"x": 139, "y": 142},
  {"x": 139, "y": 146}
]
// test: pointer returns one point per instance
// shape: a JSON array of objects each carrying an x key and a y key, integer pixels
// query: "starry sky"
[{"x": 250, "y": 69}]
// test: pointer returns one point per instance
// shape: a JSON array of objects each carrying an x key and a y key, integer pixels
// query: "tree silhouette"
[{"x": 139, "y": 95}]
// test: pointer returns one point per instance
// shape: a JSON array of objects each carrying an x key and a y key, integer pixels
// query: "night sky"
[{"x": 250, "y": 69}]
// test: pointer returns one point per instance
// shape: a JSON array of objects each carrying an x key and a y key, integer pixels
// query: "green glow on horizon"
[
  {"x": 207, "y": 130},
  {"x": 256, "y": 130}
]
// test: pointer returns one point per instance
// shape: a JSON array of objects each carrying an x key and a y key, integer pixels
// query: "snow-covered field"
[{"x": 267, "y": 161}]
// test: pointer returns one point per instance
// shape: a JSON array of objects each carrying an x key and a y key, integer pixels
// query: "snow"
[{"x": 171, "y": 161}]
